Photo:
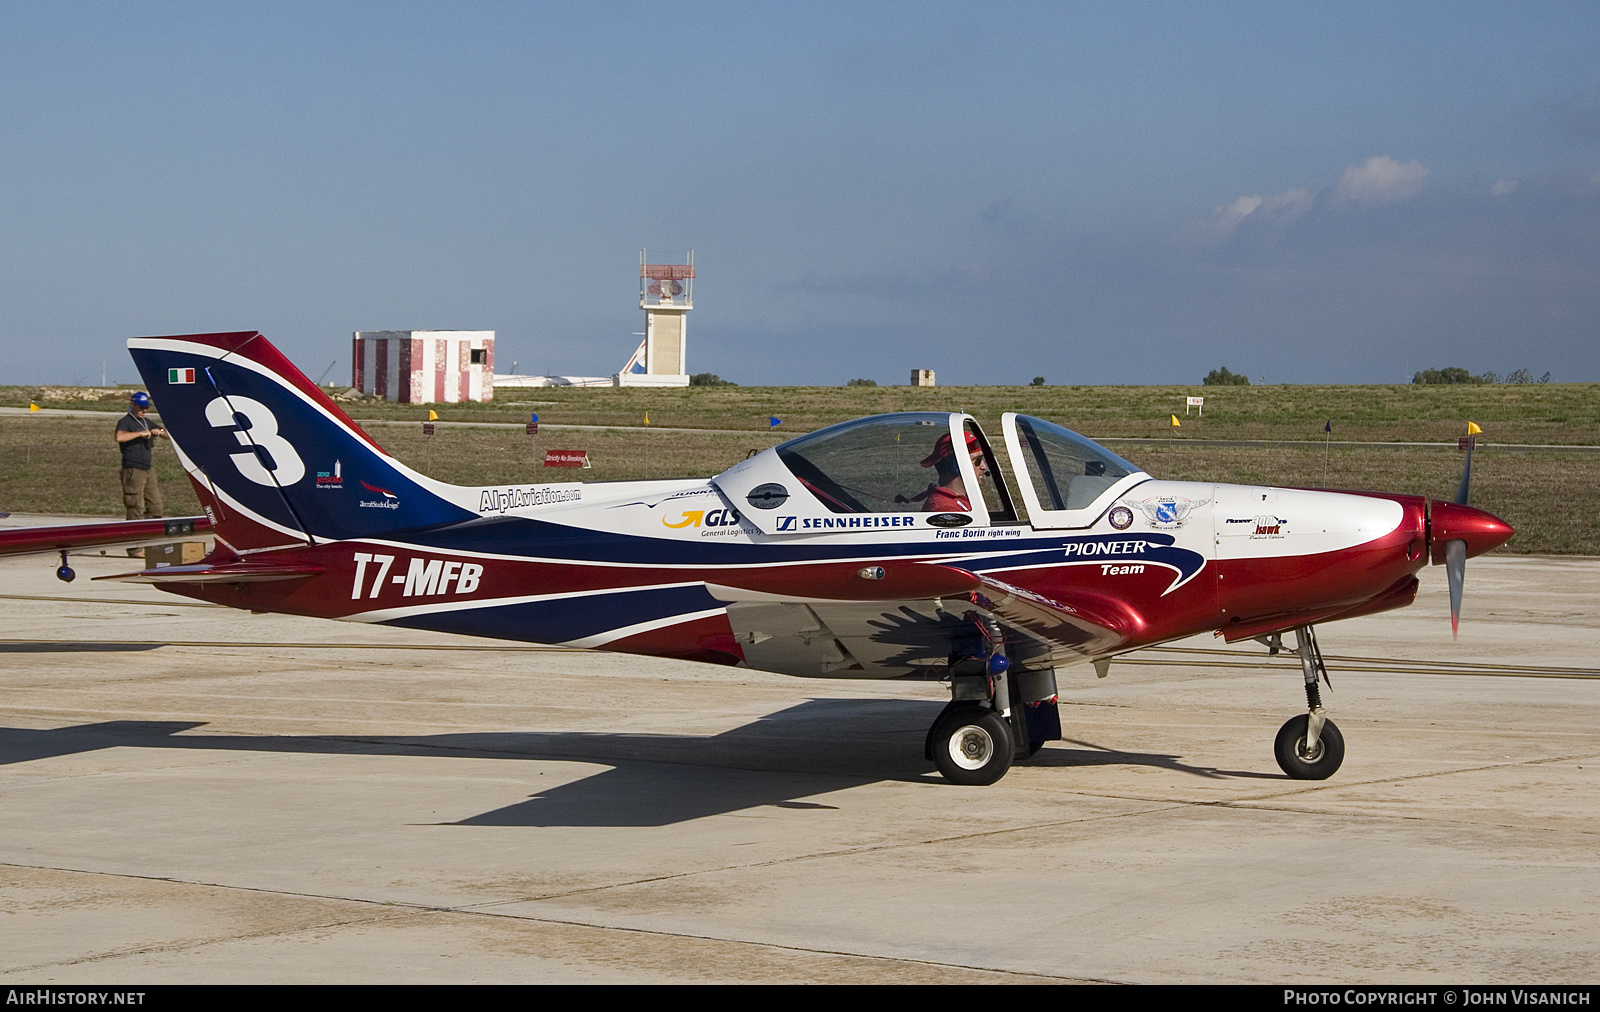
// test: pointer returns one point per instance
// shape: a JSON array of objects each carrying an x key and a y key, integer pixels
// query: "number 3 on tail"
[{"x": 255, "y": 426}]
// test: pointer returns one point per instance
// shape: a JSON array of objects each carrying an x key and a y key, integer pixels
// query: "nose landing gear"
[{"x": 1309, "y": 746}]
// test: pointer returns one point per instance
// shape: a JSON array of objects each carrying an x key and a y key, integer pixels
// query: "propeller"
[
  {"x": 1466, "y": 468},
  {"x": 1455, "y": 552},
  {"x": 1457, "y": 531},
  {"x": 1455, "y": 567}
]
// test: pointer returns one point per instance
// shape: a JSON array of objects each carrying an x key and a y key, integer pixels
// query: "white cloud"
[
  {"x": 1288, "y": 204},
  {"x": 1227, "y": 218},
  {"x": 1239, "y": 210},
  {"x": 1503, "y": 187},
  {"x": 1379, "y": 180}
]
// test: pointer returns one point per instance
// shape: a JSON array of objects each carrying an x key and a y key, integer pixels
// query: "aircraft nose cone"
[{"x": 1448, "y": 521}]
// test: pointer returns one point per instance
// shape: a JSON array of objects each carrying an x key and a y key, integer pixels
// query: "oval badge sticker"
[
  {"x": 767, "y": 497},
  {"x": 949, "y": 520}
]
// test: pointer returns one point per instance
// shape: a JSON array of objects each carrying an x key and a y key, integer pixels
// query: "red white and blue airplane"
[{"x": 876, "y": 548}]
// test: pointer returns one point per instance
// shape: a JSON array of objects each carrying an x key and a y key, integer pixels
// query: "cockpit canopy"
[
  {"x": 894, "y": 463},
  {"x": 919, "y": 469}
]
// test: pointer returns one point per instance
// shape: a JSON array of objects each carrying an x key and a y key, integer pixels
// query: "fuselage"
[
  {"x": 869, "y": 549},
  {"x": 665, "y": 569}
]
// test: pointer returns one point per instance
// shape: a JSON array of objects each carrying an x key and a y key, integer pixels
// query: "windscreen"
[{"x": 1068, "y": 471}]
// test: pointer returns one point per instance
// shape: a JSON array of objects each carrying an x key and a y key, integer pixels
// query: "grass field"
[
  {"x": 1549, "y": 413},
  {"x": 69, "y": 465}
]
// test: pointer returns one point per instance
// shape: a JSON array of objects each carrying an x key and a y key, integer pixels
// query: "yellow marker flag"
[
  {"x": 34, "y": 407},
  {"x": 1473, "y": 430},
  {"x": 647, "y": 418},
  {"x": 433, "y": 416},
  {"x": 1175, "y": 423}
]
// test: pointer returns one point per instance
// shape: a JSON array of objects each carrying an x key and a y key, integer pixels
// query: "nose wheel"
[
  {"x": 1309, "y": 747},
  {"x": 1317, "y": 760}
]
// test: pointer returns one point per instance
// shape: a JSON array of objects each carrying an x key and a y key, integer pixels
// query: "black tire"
[
  {"x": 1322, "y": 763},
  {"x": 972, "y": 746},
  {"x": 949, "y": 708}
]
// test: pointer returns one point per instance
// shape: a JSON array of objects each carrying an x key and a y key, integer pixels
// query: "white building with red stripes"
[{"x": 424, "y": 366}]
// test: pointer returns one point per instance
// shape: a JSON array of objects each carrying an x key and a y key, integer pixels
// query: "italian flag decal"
[{"x": 180, "y": 375}]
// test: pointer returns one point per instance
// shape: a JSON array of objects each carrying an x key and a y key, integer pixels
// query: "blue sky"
[{"x": 1099, "y": 193}]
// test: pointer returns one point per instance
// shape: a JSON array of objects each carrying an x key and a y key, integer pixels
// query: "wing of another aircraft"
[{"x": 75, "y": 537}]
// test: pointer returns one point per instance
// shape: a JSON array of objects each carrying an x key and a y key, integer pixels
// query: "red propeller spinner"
[{"x": 1480, "y": 531}]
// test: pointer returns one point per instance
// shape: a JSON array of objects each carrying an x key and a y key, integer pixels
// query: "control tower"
[{"x": 666, "y": 294}]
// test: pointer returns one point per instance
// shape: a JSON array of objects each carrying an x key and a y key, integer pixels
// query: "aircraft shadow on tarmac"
[{"x": 813, "y": 748}]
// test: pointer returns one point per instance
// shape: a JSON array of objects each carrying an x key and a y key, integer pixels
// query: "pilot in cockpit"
[{"x": 950, "y": 492}]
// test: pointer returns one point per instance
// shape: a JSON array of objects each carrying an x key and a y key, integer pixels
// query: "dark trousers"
[{"x": 140, "y": 493}]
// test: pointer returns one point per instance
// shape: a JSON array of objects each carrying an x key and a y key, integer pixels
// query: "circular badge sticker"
[{"x": 1120, "y": 517}]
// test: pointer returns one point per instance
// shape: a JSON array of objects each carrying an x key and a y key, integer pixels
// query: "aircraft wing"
[
  {"x": 849, "y": 620},
  {"x": 843, "y": 619},
  {"x": 1064, "y": 628},
  {"x": 847, "y": 581},
  {"x": 76, "y": 537}
]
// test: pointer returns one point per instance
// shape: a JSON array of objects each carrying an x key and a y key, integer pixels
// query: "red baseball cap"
[{"x": 941, "y": 449}]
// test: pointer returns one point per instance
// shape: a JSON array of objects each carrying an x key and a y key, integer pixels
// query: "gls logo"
[
  {"x": 711, "y": 518},
  {"x": 271, "y": 460}
]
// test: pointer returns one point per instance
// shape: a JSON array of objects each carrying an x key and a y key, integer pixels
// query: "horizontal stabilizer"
[{"x": 232, "y": 572}]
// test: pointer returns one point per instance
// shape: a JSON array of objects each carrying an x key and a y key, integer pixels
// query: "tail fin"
[
  {"x": 636, "y": 363},
  {"x": 274, "y": 460}
]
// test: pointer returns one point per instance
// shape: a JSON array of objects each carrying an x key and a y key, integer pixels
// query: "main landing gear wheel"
[
  {"x": 1320, "y": 761},
  {"x": 972, "y": 746}
]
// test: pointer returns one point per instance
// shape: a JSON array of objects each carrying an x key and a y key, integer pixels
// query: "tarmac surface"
[{"x": 193, "y": 794}]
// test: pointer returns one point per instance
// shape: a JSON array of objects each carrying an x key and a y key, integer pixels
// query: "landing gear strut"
[{"x": 1310, "y": 747}]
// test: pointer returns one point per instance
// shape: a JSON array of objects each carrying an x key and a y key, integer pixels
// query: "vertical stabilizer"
[{"x": 274, "y": 460}]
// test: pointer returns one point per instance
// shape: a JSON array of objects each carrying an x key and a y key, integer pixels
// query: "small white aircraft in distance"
[{"x": 895, "y": 546}]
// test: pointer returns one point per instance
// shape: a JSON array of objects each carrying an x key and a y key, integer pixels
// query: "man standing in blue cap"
[{"x": 136, "y": 437}]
